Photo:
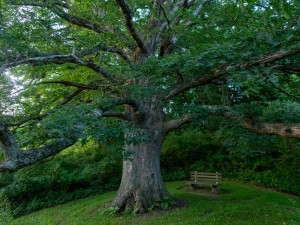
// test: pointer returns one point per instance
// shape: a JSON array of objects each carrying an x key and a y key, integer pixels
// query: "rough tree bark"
[
  {"x": 142, "y": 185},
  {"x": 15, "y": 158}
]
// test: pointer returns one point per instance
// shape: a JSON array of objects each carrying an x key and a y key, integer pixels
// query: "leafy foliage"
[
  {"x": 78, "y": 173},
  {"x": 239, "y": 56},
  {"x": 266, "y": 161}
]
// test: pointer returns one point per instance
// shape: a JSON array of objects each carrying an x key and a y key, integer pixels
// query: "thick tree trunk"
[{"x": 142, "y": 185}]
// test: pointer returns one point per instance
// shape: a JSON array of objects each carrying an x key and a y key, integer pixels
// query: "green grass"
[{"x": 236, "y": 204}]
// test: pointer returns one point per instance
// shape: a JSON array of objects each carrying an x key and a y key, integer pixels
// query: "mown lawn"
[{"x": 236, "y": 204}]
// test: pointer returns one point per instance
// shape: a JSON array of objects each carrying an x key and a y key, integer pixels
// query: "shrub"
[
  {"x": 175, "y": 175},
  {"x": 268, "y": 161},
  {"x": 67, "y": 177}
]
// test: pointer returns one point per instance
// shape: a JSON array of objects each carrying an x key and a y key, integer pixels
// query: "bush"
[
  {"x": 67, "y": 177},
  {"x": 175, "y": 175},
  {"x": 284, "y": 177},
  {"x": 268, "y": 161}
]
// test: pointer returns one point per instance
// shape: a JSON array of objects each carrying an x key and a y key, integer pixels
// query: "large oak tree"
[{"x": 141, "y": 64}]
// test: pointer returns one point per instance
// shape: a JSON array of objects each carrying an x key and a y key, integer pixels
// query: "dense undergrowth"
[
  {"x": 86, "y": 170},
  {"x": 268, "y": 161},
  {"x": 78, "y": 173}
]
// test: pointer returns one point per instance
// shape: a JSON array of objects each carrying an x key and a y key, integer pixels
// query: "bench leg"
[{"x": 215, "y": 188}]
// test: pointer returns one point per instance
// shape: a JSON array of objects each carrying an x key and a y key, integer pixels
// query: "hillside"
[{"x": 236, "y": 204}]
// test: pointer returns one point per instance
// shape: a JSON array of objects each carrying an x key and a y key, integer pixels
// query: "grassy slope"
[{"x": 237, "y": 204}]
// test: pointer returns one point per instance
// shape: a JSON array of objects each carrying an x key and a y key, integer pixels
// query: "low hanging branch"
[
  {"x": 281, "y": 129},
  {"x": 16, "y": 159},
  {"x": 19, "y": 159},
  {"x": 70, "y": 96}
]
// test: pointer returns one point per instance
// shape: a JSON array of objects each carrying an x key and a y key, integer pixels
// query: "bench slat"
[
  {"x": 202, "y": 176},
  {"x": 199, "y": 179},
  {"x": 198, "y": 173},
  {"x": 205, "y": 177}
]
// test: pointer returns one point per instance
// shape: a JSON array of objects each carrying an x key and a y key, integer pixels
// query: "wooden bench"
[{"x": 201, "y": 179}]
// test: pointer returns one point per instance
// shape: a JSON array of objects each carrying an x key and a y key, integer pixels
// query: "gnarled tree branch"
[
  {"x": 10, "y": 146},
  {"x": 130, "y": 26},
  {"x": 207, "y": 109},
  {"x": 281, "y": 129},
  {"x": 176, "y": 123},
  {"x": 16, "y": 159},
  {"x": 77, "y": 21},
  {"x": 284, "y": 130},
  {"x": 105, "y": 110},
  {"x": 54, "y": 6},
  {"x": 208, "y": 78},
  {"x": 59, "y": 59},
  {"x": 26, "y": 158},
  {"x": 200, "y": 7},
  {"x": 101, "y": 47},
  {"x": 74, "y": 84}
]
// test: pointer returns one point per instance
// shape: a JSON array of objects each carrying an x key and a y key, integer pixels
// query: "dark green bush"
[
  {"x": 175, "y": 175},
  {"x": 283, "y": 177},
  {"x": 268, "y": 161},
  {"x": 67, "y": 177}
]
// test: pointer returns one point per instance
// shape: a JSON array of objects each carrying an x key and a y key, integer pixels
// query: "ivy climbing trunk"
[{"x": 142, "y": 185}]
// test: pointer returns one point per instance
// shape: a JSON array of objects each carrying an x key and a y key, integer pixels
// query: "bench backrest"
[{"x": 206, "y": 177}]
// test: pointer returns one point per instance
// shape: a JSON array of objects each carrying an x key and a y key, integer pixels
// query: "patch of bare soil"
[
  {"x": 157, "y": 212},
  {"x": 200, "y": 191}
]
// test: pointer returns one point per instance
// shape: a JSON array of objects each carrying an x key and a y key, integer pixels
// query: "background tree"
[{"x": 83, "y": 65}]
